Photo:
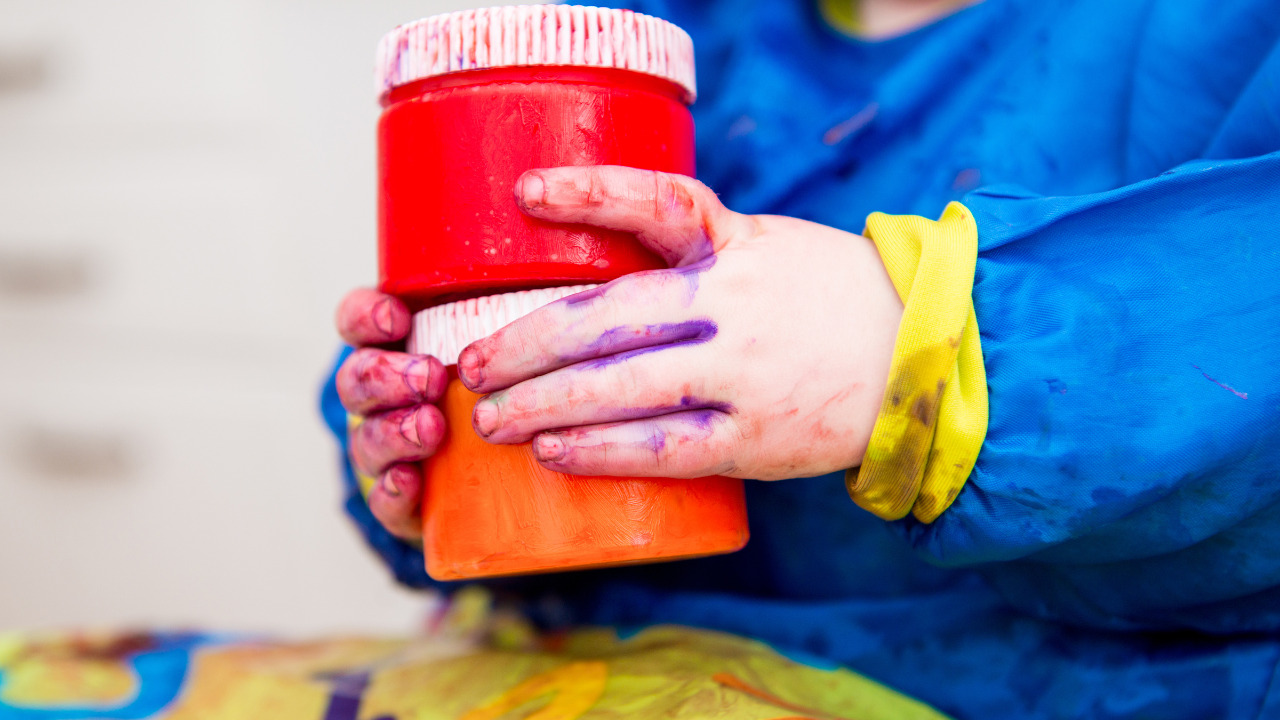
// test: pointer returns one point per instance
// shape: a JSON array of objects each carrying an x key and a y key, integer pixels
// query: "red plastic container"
[
  {"x": 472, "y": 100},
  {"x": 451, "y": 145}
]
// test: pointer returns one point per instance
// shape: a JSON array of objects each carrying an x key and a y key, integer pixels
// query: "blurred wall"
[{"x": 186, "y": 190}]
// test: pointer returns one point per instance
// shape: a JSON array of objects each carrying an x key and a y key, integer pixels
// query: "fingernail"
[
  {"x": 417, "y": 377},
  {"x": 409, "y": 429},
  {"x": 389, "y": 485},
  {"x": 402, "y": 480},
  {"x": 485, "y": 418},
  {"x": 382, "y": 317},
  {"x": 470, "y": 370},
  {"x": 438, "y": 380},
  {"x": 549, "y": 447},
  {"x": 533, "y": 190}
]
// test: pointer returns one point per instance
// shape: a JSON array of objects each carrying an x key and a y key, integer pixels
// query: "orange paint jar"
[
  {"x": 493, "y": 510},
  {"x": 472, "y": 100}
]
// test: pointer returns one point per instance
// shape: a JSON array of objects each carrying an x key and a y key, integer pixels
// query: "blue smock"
[{"x": 1116, "y": 550}]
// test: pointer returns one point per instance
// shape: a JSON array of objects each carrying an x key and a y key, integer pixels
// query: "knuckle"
[
  {"x": 502, "y": 353},
  {"x": 674, "y": 197},
  {"x": 663, "y": 453},
  {"x": 389, "y": 435},
  {"x": 597, "y": 318},
  {"x": 367, "y": 378},
  {"x": 370, "y": 366},
  {"x": 542, "y": 323},
  {"x": 702, "y": 451},
  {"x": 594, "y": 456},
  {"x": 575, "y": 394},
  {"x": 597, "y": 187},
  {"x": 629, "y": 381}
]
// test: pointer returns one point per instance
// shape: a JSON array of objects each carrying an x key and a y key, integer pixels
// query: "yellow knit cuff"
[{"x": 933, "y": 418}]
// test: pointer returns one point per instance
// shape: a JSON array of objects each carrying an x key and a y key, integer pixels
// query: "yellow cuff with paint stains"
[{"x": 933, "y": 418}]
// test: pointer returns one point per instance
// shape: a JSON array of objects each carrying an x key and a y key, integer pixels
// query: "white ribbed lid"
[
  {"x": 444, "y": 330},
  {"x": 536, "y": 35}
]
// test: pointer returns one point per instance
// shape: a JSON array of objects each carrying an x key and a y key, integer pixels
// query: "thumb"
[{"x": 675, "y": 216}]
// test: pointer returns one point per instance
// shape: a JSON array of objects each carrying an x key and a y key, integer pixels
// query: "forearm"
[{"x": 1129, "y": 340}]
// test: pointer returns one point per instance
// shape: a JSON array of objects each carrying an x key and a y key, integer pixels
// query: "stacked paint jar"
[{"x": 470, "y": 101}]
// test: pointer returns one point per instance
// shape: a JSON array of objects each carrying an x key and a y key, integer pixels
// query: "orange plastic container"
[
  {"x": 493, "y": 510},
  {"x": 472, "y": 100}
]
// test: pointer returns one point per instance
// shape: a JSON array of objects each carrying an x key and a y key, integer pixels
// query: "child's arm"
[
  {"x": 1131, "y": 342},
  {"x": 1129, "y": 337}
]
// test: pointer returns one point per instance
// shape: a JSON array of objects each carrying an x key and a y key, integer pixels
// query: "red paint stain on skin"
[
  {"x": 370, "y": 379},
  {"x": 731, "y": 681},
  {"x": 1224, "y": 386},
  {"x": 400, "y": 435},
  {"x": 819, "y": 430}
]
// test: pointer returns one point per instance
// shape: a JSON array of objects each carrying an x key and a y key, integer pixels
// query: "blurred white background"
[{"x": 186, "y": 190}]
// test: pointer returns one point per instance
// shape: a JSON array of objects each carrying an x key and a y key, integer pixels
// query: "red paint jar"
[{"x": 472, "y": 100}]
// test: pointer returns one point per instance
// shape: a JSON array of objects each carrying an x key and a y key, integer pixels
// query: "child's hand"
[
  {"x": 392, "y": 391},
  {"x": 763, "y": 353}
]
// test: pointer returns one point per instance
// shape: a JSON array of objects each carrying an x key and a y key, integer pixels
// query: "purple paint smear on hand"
[
  {"x": 633, "y": 337},
  {"x": 702, "y": 411},
  {"x": 623, "y": 343},
  {"x": 585, "y": 296},
  {"x": 690, "y": 274},
  {"x": 693, "y": 425},
  {"x": 687, "y": 425}
]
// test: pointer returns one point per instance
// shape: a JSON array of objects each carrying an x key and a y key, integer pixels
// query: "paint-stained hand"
[
  {"x": 393, "y": 392},
  {"x": 762, "y": 353}
]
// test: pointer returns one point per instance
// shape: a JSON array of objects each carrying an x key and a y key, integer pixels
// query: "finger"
[
  {"x": 395, "y": 501},
  {"x": 675, "y": 216},
  {"x": 402, "y": 435},
  {"x": 636, "y": 384},
  {"x": 689, "y": 444},
  {"x": 368, "y": 317},
  {"x": 371, "y": 380},
  {"x": 633, "y": 312}
]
